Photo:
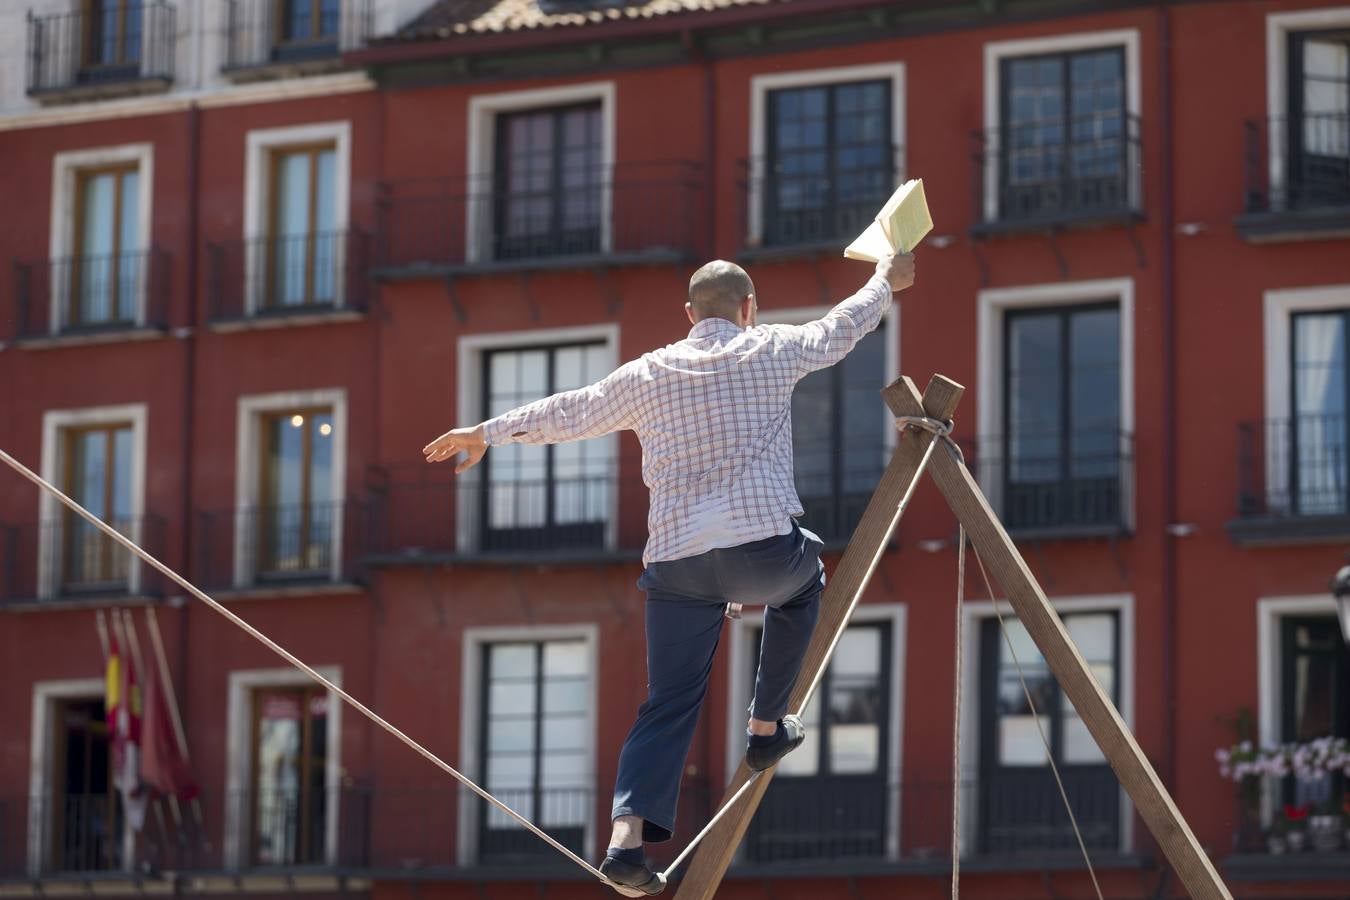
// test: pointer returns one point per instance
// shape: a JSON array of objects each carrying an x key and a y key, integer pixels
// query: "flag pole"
[
  {"x": 129, "y": 623},
  {"x": 102, "y": 624},
  {"x": 166, "y": 683},
  {"x": 124, "y": 698}
]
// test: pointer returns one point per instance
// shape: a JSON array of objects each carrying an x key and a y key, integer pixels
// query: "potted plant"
[
  {"x": 1316, "y": 764},
  {"x": 1240, "y": 764},
  {"x": 1277, "y": 839},
  {"x": 1296, "y": 824}
]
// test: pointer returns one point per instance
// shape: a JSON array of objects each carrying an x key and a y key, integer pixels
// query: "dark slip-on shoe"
[
  {"x": 631, "y": 880},
  {"x": 790, "y": 735}
]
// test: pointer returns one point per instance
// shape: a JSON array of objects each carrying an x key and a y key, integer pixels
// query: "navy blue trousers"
[{"x": 686, "y": 601}]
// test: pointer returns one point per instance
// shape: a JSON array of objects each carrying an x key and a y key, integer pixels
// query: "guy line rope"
[{"x": 941, "y": 432}]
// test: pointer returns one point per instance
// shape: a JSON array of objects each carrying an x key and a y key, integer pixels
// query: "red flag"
[
  {"x": 163, "y": 767},
  {"x": 122, "y": 706}
]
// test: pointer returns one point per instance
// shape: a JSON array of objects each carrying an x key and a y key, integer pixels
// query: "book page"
[
  {"x": 898, "y": 228},
  {"x": 871, "y": 245}
]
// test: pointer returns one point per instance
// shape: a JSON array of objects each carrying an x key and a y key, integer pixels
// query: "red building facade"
[{"x": 270, "y": 250}]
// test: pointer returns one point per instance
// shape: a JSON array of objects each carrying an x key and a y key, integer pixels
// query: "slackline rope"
[{"x": 941, "y": 432}]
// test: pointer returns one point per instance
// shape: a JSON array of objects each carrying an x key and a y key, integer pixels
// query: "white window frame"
[
  {"x": 469, "y": 354},
  {"x": 42, "y": 771},
  {"x": 1279, "y": 308},
  {"x": 470, "y": 732},
  {"x": 482, "y": 131},
  {"x": 1278, "y": 28},
  {"x": 997, "y": 51},
  {"x": 890, "y": 327},
  {"x": 973, "y": 613},
  {"x": 1270, "y": 615},
  {"x": 55, "y": 423},
  {"x": 741, "y": 685},
  {"x": 260, "y": 145},
  {"x": 66, "y": 170},
  {"x": 993, "y": 304},
  {"x": 248, "y": 467},
  {"x": 761, "y": 85},
  {"x": 239, "y": 757}
]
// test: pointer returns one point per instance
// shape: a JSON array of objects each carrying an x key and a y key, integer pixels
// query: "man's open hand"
[
  {"x": 898, "y": 269},
  {"x": 469, "y": 441}
]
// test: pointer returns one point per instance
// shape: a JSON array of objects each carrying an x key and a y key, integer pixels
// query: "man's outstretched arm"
[
  {"x": 828, "y": 339},
  {"x": 586, "y": 412}
]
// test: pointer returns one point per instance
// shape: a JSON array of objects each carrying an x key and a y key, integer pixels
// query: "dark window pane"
[{"x": 830, "y": 162}]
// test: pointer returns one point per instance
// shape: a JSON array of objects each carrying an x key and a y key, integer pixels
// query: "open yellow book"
[{"x": 898, "y": 228}]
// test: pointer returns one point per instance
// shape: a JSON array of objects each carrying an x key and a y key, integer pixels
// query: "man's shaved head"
[{"x": 717, "y": 289}]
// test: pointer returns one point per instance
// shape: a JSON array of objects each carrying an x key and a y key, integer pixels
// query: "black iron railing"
[
  {"x": 1294, "y": 467},
  {"x": 1085, "y": 169},
  {"x": 574, "y": 513},
  {"x": 285, "y": 33},
  {"x": 69, "y": 559},
  {"x": 287, "y": 275},
  {"x": 1057, "y": 482},
  {"x": 275, "y": 546},
  {"x": 96, "y": 51},
  {"x": 784, "y": 206},
  {"x": 625, "y": 210},
  {"x": 90, "y": 294},
  {"x": 1298, "y": 163},
  {"x": 826, "y": 823}
]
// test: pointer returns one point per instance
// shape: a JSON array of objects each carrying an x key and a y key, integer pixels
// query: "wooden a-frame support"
[{"x": 1028, "y": 601}]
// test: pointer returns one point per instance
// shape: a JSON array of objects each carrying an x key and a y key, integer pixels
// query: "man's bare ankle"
[
  {"x": 762, "y": 728},
  {"x": 627, "y": 832}
]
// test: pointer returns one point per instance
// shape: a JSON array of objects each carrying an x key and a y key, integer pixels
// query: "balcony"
[
  {"x": 829, "y": 828},
  {"x": 1298, "y": 178},
  {"x": 422, "y": 513},
  {"x": 284, "y": 38},
  {"x": 67, "y": 560},
  {"x": 1293, "y": 481},
  {"x": 93, "y": 54},
  {"x": 1039, "y": 178},
  {"x": 89, "y": 299},
  {"x": 297, "y": 548},
  {"x": 626, "y": 214},
  {"x": 789, "y": 214},
  {"x": 1051, "y": 485},
  {"x": 287, "y": 280}
]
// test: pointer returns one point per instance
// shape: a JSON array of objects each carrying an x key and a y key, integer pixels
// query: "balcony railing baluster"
[
  {"x": 280, "y": 276},
  {"x": 633, "y": 211},
  {"x": 260, "y": 40},
  {"x": 89, "y": 295},
  {"x": 82, "y": 55}
]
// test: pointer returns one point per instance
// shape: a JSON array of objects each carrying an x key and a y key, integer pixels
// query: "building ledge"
[
  {"x": 275, "y": 70},
  {"x": 79, "y": 602},
  {"x": 1279, "y": 226},
  {"x": 102, "y": 90},
  {"x": 935, "y": 865},
  {"x": 288, "y": 319},
  {"x": 427, "y": 270},
  {"x": 539, "y": 560},
  {"x": 287, "y": 588},
  {"x": 1066, "y": 222},
  {"x": 1112, "y": 531},
  {"x": 88, "y": 336},
  {"x": 1275, "y": 531},
  {"x": 1285, "y": 867},
  {"x": 789, "y": 252}
]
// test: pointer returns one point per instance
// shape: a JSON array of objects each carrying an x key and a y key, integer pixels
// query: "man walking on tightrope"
[{"x": 713, "y": 414}]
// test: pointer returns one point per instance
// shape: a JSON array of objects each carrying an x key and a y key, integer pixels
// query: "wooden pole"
[
  {"x": 170, "y": 695},
  {"x": 714, "y": 855},
  {"x": 1093, "y": 706}
]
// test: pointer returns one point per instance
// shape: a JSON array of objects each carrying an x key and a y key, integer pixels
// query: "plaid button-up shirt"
[{"x": 714, "y": 415}]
